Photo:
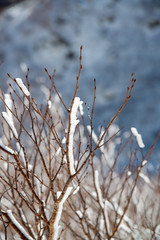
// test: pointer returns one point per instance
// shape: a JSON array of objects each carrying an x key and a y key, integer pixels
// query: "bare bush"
[{"x": 60, "y": 180}]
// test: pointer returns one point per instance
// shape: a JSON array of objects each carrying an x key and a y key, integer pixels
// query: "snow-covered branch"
[
  {"x": 7, "y": 149},
  {"x": 56, "y": 225},
  {"x": 18, "y": 226},
  {"x": 22, "y": 86},
  {"x": 9, "y": 121},
  {"x": 73, "y": 123}
]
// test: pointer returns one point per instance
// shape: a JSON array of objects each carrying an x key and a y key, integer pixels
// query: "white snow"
[
  {"x": 30, "y": 167},
  {"x": 81, "y": 107},
  {"x": 144, "y": 177},
  {"x": 58, "y": 216},
  {"x": 73, "y": 123},
  {"x": 99, "y": 192},
  {"x": 144, "y": 162},
  {"x": 58, "y": 194},
  {"x": 120, "y": 212},
  {"x": 8, "y": 102},
  {"x": 140, "y": 141},
  {"x": 64, "y": 140},
  {"x": 38, "y": 186},
  {"x": 138, "y": 137},
  {"x": 22, "y": 86},
  {"x": 59, "y": 149},
  {"x": 75, "y": 186},
  {"x": 23, "y": 67},
  {"x": 10, "y": 123},
  {"x": 7, "y": 149},
  {"x": 22, "y": 215},
  {"x": 76, "y": 190},
  {"x": 129, "y": 173},
  {"x": 33, "y": 232},
  {"x": 23, "y": 194},
  {"x": 79, "y": 213},
  {"x": 94, "y": 136},
  {"x": 49, "y": 103},
  {"x": 5, "y": 165},
  {"x": 16, "y": 223},
  {"x": 21, "y": 153},
  {"x": 106, "y": 216},
  {"x": 125, "y": 227}
]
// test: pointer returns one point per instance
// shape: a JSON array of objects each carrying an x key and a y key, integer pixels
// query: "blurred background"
[{"x": 118, "y": 37}]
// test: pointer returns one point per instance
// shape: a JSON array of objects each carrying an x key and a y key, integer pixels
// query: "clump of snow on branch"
[
  {"x": 73, "y": 123},
  {"x": 79, "y": 213},
  {"x": 49, "y": 103},
  {"x": 8, "y": 103},
  {"x": 22, "y": 86},
  {"x": 138, "y": 137},
  {"x": 8, "y": 117},
  {"x": 58, "y": 216},
  {"x": 144, "y": 162},
  {"x": 10, "y": 123},
  {"x": 7, "y": 149},
  {"x": 81, "y": 107}
]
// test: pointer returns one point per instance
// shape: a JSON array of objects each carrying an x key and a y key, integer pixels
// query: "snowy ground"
[{"x": 118, "y": 38}]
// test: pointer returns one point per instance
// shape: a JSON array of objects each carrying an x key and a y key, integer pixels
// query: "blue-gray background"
[{"x": 118, "y": 37}]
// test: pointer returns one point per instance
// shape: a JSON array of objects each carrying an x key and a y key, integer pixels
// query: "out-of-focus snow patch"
[
  {"x": 23, "y": 67},
  {"x": 145, "y": 178}
]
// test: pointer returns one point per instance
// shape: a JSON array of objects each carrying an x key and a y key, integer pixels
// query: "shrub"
[{"x": 60, "y": 180}]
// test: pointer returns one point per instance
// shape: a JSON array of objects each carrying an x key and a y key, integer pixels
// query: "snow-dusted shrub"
[{"x": 59, "y": 178}]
